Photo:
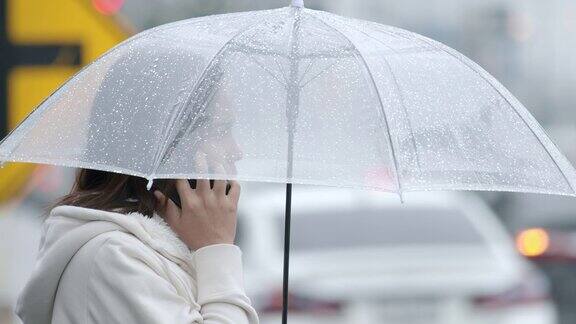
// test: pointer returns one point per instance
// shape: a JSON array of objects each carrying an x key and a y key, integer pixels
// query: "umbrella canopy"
[{"x": 293, "y": 95}]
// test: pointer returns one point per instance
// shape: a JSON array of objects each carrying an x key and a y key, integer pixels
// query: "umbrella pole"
[
  {"x": 287, "y": 217},
  {"x": 292, "y": 101}
]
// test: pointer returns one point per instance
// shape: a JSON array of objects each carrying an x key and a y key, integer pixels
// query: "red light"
[
  {"x": 531, "y": 289},
  {"x": 299, "y": 304},
  {"x": 107, "y": 7}
]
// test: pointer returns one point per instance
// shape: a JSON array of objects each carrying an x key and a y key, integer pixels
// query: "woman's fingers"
[
  {"x": 201, "y": 165},
  {"x": 184, "y": 191},
  {"x": 171, "y": 211},
  {"x": 220, "y": 185},
  {"x": 203, "y": 220},
  {"x": 202, "y": 186},
  {"x": 234, "y": 192}
]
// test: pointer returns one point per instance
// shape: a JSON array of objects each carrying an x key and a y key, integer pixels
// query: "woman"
[{"x": 113, "y": 252}]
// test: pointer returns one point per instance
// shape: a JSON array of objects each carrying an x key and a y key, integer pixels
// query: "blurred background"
[{"x": 439, "y": 258}]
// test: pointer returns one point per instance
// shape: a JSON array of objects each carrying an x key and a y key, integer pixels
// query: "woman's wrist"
[
  {"x": 214, "y": 246},
  {"x": 218, "y": 270}
]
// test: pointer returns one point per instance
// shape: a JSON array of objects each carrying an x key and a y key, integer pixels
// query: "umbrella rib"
[
  {"x": 242, "y": 48},
  {"x": 123, "y": 43},
  {"x": 50, "y": 97},
  {"x": 442, "y": 48},
  {"x": 355, "y": 48},
  {"x": 509, "y": 103},
  {"x": 280, "y": 69},
  {"x": 183, "y": 106},
  {"x": 470, "y": 65},
  {"x": 317, "y": 74},
  {"x": 306, "y": 71},
  {"x": 268, "y": 71},
  {"x": 397, "y": 86}
]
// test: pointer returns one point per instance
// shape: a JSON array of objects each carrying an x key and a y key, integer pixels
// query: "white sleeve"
[
  {"x": 125, "y": 286},
  {"x": 220, "y": 285}
]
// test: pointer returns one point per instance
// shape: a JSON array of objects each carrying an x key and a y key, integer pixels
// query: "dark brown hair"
[{"x": 114, "y": 191}]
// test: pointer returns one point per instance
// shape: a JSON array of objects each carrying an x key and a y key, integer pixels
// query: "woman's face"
[{"x": 219, "y": 145}]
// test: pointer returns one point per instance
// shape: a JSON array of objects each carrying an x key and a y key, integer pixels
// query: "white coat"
[{"x": 99, "y": 266}]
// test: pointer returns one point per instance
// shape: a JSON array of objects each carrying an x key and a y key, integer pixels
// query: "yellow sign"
[{"x": 47, "y": 42}]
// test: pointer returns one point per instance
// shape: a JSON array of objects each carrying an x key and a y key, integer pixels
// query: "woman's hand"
[{"x": 208, "y": 216}]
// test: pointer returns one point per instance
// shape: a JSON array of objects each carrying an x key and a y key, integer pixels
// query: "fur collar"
[{"x": 154, "y": 231}]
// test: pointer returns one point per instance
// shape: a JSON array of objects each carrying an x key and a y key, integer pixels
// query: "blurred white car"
[{"x": 362, "y": 257}]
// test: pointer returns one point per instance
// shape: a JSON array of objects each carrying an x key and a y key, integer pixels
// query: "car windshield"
[{"x": 362, "y": 228}]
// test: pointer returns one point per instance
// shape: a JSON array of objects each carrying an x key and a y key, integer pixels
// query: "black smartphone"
[{"x": 175, "y": 197}]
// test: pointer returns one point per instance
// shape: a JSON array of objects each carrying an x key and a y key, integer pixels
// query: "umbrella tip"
[
  {"x": 149, "y": 184},
  {"x": 298, "y": 3}
]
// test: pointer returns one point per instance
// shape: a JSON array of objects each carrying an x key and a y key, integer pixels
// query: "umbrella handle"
[{"x": 286, "y": 266}]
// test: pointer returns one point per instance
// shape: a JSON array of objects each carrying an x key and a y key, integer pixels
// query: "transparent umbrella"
[{"x": 293, "y": 95}]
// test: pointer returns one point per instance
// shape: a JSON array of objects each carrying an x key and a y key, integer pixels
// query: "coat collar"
[{"x": 152, "y": 231}]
